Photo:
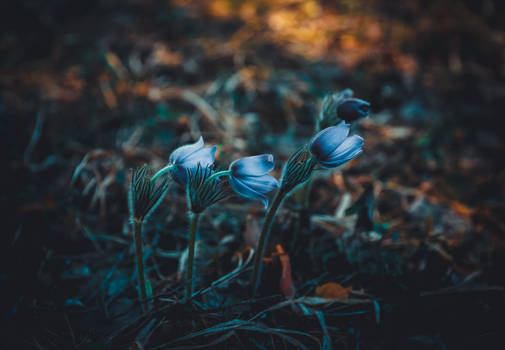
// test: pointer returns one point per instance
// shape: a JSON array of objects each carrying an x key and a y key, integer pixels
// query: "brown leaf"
[
  {"x": 286, "y": 282},
  {"x": 333, "y": 290},
  {"x": 461, "y": 209}
]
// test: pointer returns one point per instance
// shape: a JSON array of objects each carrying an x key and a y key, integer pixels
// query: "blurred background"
[{"x": 91, "y": 89}]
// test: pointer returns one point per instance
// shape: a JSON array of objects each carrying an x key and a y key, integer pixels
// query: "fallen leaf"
[
  {"x": 333, "y": 290},
  {"x": 461, "y": 209},
  {"x": 286, "y": 282}
]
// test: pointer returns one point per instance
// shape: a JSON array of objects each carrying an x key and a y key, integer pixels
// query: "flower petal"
[
  {"x": 252, "y": 166},
  {"x": 242, "y": 188},
  {"x": 262, "y": 184},
  {"x": 349, "y": 149},
  {"x": 327, "y": 140},
  {"x": 205, "y": 156},
  {"x": 181, "y": 153}
]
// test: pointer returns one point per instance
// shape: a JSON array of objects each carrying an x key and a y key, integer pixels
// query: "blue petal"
[
  {"x": 205, "y": 156},
  {"x": 242, "y": 188},
  {"x": 327, "y": 140},
  {"x": 181, "y": 153},
  {"x": 262, "y": 184},
  {"x": 353, "y": 109},
  {"x": 252, "y": 166},
  {"x": 349, "y": 149}
]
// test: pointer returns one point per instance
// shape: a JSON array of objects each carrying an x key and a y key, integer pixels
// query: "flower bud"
[
  {"x": 298, "y": 169},
  {"x": 341, "y": 106},
  {"x": 144, "y": 196},
  {"x": 202, "y": 193}
]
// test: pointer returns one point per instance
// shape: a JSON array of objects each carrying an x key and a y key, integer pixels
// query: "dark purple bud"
[{"x": 352, "y": 109}]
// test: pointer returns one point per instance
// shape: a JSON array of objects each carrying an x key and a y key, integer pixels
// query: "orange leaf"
[
  {"x": 286, "y": 283},
  {"x": 461, "y": 209},
  {"x": 333, "y": 290}
]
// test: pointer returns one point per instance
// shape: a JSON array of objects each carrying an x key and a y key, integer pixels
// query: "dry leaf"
[
  {"x": 286, "y": 282},
  {"x": 333, "y": 290}
]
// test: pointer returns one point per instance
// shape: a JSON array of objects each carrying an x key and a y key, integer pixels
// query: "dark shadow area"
[{"x": 403, "y": 248}]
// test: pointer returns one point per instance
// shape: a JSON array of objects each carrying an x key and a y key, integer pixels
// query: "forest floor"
[{"x": 90, "y": 90}]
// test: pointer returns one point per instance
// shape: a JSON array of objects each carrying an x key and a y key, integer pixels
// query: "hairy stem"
[
  {"x": 137, "y": 227},
  {"x": 193, "y": 228},
  {"x": 162, "y": 171},
  {"x": 265, "y": 232},
  {"x": 217, "y": 175},
  {"x": 302, "y": 197}
]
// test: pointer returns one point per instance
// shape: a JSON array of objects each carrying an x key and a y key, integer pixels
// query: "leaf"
[
  {"x": 461, "y": 209},
  {"x": 377, "y": 310},
  {"x": 286, "y": 282},
  {"x": 149, "y": 289},
  {"x": 333, "y": 290}
]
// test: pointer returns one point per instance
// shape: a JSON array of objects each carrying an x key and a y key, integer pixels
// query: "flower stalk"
[
  {"x": 193, "y": 229},
  {"x": 265, "y": 233},
  {"x": 144, "y": 197},
  {"x": 217, "y": 175},
  {"x": 162, "y": 171},
  {"x": 137, "y": 228},
  {"x": 296, "y": 172},
  {"x": 302, "y": 196}
]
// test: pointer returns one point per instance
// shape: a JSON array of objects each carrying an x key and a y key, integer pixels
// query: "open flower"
[
  {"x": 248, "y": 177},
  {"x": 188, "y": 157},
  {"x": 333, "y": 147}
]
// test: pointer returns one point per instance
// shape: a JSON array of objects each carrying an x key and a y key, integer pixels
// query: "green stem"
[
  {"x": 193, "y": 228},
  {"x": 137, "y": 226},
  {"x": 162, "y": 171},
  {"x": 265, "y": 232},
  {"x": 303, "y": 200},
  {"x": 216, "y": 175},
  {"x": 306, "y": 188}
]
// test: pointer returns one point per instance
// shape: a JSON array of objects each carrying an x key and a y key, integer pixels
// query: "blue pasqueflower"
[
  {"x": 188, "y": 157},
  {"x": 248, "y": 177},
  {"x": 333, "y": 147}
]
